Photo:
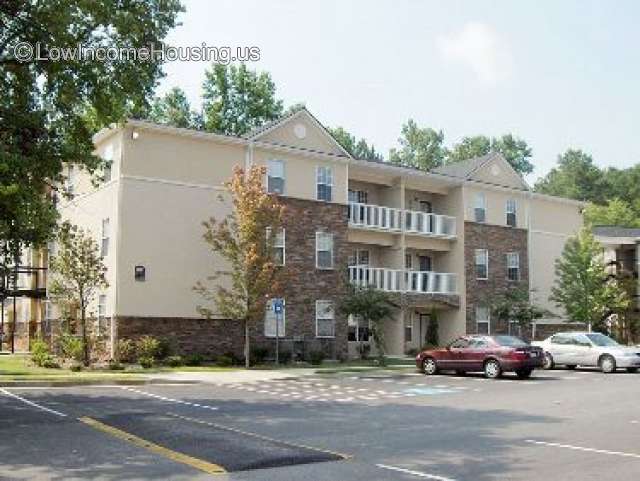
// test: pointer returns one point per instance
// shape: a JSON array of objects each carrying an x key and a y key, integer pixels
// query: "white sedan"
[{"x": 573, "y": 349}]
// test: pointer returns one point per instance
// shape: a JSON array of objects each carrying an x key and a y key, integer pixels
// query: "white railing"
[
  {"x": 375, "y": 217},
  {"x": 391, "y": 219},
  {"x": 396, "y": 280},
  {"x": 429, "y": 224}
]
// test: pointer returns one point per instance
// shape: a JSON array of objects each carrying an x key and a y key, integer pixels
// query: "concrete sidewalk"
[{"x": 229, "y": 377}]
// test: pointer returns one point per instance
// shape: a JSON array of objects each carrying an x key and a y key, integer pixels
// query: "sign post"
[{"x": 278, "y": 306}]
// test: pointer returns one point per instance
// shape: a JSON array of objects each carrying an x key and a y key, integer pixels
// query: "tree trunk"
[
  {"x": 85, "y": 344},
  {"x": 247, "y": 361}
]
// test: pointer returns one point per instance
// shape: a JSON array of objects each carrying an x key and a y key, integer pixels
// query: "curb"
[{"x": 80, "y": 383}]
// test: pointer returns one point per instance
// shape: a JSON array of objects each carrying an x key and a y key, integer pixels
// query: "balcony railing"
[
  {"x": 398, "y": 280},
  {"x": 391, "y": 219}
]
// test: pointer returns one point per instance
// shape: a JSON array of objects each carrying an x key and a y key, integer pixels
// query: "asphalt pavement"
[{"x": 559, "y": 425}]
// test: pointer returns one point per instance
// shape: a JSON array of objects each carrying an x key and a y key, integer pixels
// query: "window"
[
  {"x": 270, "y": 319},
  {"x": 324, "y": 183},
  {"x": 408, "y": 331},
  {"x": 480, "y": 208},
  {"x": 324, "y": 250},
  {"x": 511, "y": 212},
  {"x": 358, "y": 196},
  {"x": 482, "y": 264},
  {"x": 108, "y": 158},
  {"x": 358, "y": 329},
  {"x": 483, "y": 320},
  {"x": 325, "y": 321},
  {"x": 513, "y": 266},
  {"x": 48, "y": 310},
  {"x": 104, "y": 245},
  {"x": 408, "y": 261},
  {"x": 277, "y": 246},
  {"x": 461, "y": 343},
  {"x": 102, "y": 313},
  {"x": 275, "y": 177}
]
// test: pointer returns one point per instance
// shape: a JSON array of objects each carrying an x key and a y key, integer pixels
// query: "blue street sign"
[{"x": 278, "y": 306}]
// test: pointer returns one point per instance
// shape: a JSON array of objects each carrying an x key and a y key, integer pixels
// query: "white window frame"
[
  {"x": 480, "y": 203},
  {"x": 320, "y": 317},
  {"x": 486, "y": 320},
  {"x": 104, "y": 237},
  {"x": 511, "y": 207},
  {"x": 513, "y": 262},
  {"x": 485, "y": 254},
  {"x": 325, "y": 235},
  {"x": 270, "y": 317},
  {"x": 276, "y": 245},
  {"x": 102, "y": 312},
  {"x": 283, "y": 177},
  {"x": 324, "y": 176}
]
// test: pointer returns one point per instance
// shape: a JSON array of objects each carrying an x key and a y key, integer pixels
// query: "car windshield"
[
  {"x": 601, "y": 340},
  {"x": 510, "y": 341}
]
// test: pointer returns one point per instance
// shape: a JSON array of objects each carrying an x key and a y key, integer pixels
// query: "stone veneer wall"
[
  {"x": 498, "y": 240},
  {"x": 306, "y": 284}
]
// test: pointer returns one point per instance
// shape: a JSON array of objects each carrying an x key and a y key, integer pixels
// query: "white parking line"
[
  {"x": 580, "y": 448},
  {"x": 414, "y": 473},
  {"x": 168, "y": 399},
  {"x": 31, "y": 403}
]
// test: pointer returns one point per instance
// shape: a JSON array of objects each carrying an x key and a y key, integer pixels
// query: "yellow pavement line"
[
  {"x": 260, "y": 436},
  {"x": 196, "y": 463}
]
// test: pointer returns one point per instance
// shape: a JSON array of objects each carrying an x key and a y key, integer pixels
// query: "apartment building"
[
  {"x": 621, "y": 253},
  {"x": 442, "y": 243}
]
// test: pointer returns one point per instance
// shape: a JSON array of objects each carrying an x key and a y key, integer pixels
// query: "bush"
[
  {"x": 165, "y": 348},
  {"x": 76, "y": 367},
  {"x": 174, "y": 361},
  {"x": 126, "y": 350},
  {"x": 412, "y": 352},
  {"x": 316, "y": 357},
  {"x": 115, "y": 366},
  {"x": 71, "y": 347},
  {"x": 224, "y": 361},
  {"x": 50, "y": 363},
  {"x": 146, "y": 361},
  {"x": 259, "y": 354},
  {"x": 40, "y": 353},
  {"x": 147, "y": 347},
  {"x": 237, "y": 361},
  {"x": 194, "y": 360},
  {"x": 285, "y": 357}
]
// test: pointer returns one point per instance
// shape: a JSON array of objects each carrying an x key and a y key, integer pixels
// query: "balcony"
[
  {"x": 391, "y": 219},
  {"x": 399, "y": 280}
]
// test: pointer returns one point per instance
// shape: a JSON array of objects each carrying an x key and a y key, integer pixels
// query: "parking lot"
[{"x": 561, "y": 425}]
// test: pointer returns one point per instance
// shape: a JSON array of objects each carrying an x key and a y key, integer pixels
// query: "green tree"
[
  {"x": 372, "y": 305},
  {"x": 515, "y": 305},
  {"x": 582, "y": 286},
  {"x": 78, "y": 271},
  {"x": 575, "y": 177},
  {"x": 173, "y": 109},
  {"x": 513, "y": 149},
  {"x": 242, "y": 240},
  {"x": 359, "y": 149},
  {"x": 237, "y": 100},
  {"x": 421, "y": 148},
  {"x": 44, "y": 104},
  {"x": 615, "y": 212}
]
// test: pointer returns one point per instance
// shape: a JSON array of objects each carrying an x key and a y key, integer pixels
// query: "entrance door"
[{"x": 423, "y": 323}]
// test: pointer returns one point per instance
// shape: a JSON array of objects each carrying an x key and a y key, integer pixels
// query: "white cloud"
[{"x": 479, "y": 47}]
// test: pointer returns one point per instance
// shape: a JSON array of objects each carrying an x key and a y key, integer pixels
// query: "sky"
[{"x": 558, "y": 73}]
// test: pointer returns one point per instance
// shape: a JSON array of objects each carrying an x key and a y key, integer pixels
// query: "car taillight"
[{"x": 520, "y": 353}]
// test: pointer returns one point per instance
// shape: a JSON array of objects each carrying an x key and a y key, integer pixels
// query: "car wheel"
[
  {"x": 524, "y": 373},
  {"x": 429, "y": 366},
  {"x": 632, "y": 369},
  {"x": 607, "y": 364},
  {"x": 548, "y": 361},
  {"x": 492, "y": 369},
  {"x": 571, "y": 367}
]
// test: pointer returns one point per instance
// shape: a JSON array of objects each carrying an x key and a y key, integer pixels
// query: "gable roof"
[
  {"x": 274, "y": 124},
  {"x": 464, "y": 168}
]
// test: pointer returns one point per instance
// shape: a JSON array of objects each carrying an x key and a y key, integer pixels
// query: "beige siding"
[
  {"x": 499, "y": 172},
  {"x": 496, "y": 205}
]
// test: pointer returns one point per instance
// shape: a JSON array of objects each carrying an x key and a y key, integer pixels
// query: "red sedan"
[{"x": 491, "y": 354}]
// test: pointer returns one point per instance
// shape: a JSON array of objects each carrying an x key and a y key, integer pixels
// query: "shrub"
[
  {"x": 174, "y": 361},
  {"x": 224, "y": 361},
  {"x": 126, "y": 350},
  {"x": 115, "y": 366},
  {"x": 76, "y": 367},
  {"x": 146, "y": 361},
  {"x": 50, "y": 363},
  {"x": 259, "y": 354},
  {"x": 165, "y": 348},
  {"x": 40, "y": 352},
  {"x": 316, "y": 357},
  {"x": 412, "y": 352},
  {"x": 71, "y": 347},
  {"x": 285, "y": 357},
  {"x": 235, "y": 359},
  {"x": 147, "y": 347},
  {"x": 194, "y": 360}
]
